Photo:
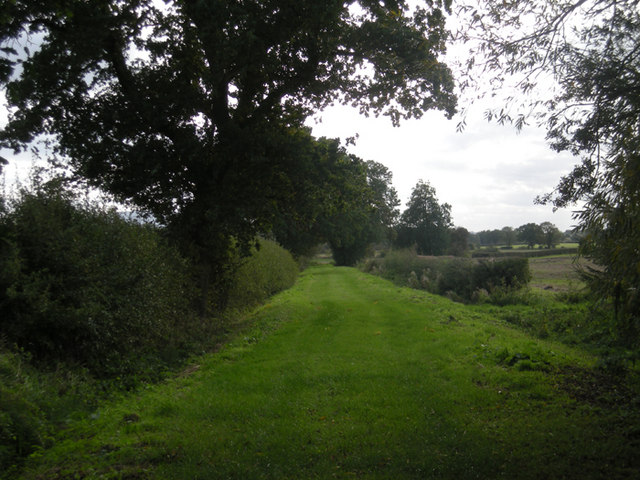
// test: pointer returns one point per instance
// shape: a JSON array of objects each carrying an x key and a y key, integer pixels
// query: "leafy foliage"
[
  {"x": 550, "y": 234},
  {"x": 365, "y": 212},
  {"x": 81, "y": 284},
  {"x": 531, "y": 234},
  {"x": 269, "y": 269},
  {"x": 185, "y": 107},
  {"x": 339, "y": 199},
  {"x": 459, "y": 242},
  {"x": 460, "y": 278},
  {"x": 589, "y": 50}
]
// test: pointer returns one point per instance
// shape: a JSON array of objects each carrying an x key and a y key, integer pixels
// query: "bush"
[
  {"x": 508, "y": 272},
  {"x": 458, "y": 278},
  {"x": 80, "y": 284},
  {"x": 454, "y": 276},
  {"x": 267, "y": 271}
]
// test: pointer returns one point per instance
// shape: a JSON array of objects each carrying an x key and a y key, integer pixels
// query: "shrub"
[
  {"x": 267, "y": 271},
  {"x": 81, "y": 284},
  {"x": 508, "y": 272},
  {"x": 454, "y": 275},
  {"x": 398, "y": 264},
  {"x": 461, "y": 279}
]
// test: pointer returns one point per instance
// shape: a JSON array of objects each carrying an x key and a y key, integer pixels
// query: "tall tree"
[
  {"x": 579, "y": 64},
  {"x": 531, "y": 234},
  {"x": 365, "y": 211},
  {"x": 425, "y": 223},
  {"x": 183, "y": 107},
  {"x": 509, "y": 236},
  {"x": 384, "y": 200},
  {"x": 550, "y": 234},
  {"x": 459, "y": 242}
]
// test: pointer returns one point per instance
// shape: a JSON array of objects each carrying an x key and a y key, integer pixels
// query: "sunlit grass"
[{"x": 349, "y": 376}]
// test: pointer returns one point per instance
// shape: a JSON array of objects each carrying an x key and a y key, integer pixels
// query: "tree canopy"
[
  {"x": 339, "y": 199},
  {"x": 531, "y": 234},
  {"x": 184, "y": 107},
  {"x": 425, "y": 223},
  {"x": 365, "y": 212}
]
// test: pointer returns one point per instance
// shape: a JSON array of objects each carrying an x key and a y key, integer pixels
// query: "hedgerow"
[
  {"x": 82, "y": 285},
  {"x": 267, "y": 271},
  {"x": 91, "y": 301},
  {"x": 463, "y": 279}
]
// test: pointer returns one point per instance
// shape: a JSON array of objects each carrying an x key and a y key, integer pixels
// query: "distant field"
[
  {"x": 555, "y": 273},
  {"x": 523, "y": 251}
]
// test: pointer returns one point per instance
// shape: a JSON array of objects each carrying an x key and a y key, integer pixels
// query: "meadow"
[
  {"x": 347, "y": 375},
  {"x": 557, "y": 273}
]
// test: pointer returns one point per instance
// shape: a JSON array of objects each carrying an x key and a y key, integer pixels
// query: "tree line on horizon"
[{"x": 530, "y": 234}]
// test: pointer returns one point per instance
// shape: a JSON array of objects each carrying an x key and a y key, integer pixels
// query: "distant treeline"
[
  {"x": 545, "y": 233},
  {"x": 496, "y": 253}
]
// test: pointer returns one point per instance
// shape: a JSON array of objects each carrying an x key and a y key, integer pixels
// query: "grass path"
[{"x": 348, "y": 376}]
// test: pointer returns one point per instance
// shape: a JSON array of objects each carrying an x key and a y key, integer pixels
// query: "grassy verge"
[{"x": 349, "y": 376}]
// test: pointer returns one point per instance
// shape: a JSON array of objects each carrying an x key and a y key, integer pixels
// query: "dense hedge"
[
  {"x": 460, "y": 278},
  {"x": 82, "y": 285},
  {"x": 89, "y": 300},
  {"x": 267, "y": 271}
]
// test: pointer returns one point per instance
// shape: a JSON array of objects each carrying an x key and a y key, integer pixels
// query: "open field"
[
  {"x": 555, "y": 273},
  {"x": 349, "y": 376}
]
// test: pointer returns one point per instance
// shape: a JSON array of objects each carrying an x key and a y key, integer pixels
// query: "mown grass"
[{"x": 349, "y": 376}]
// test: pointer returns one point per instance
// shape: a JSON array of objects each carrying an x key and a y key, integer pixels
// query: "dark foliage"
[
  {"x": 196, "y": 128},
  {"x": 425, "y": 224},
  {"x": 461, "y": 278},
  {"x": 83, "y": 285},
  {"x": 337, "y": 198}
]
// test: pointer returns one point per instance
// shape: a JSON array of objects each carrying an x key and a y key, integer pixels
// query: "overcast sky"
[{"x": 489, "y": 174}]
